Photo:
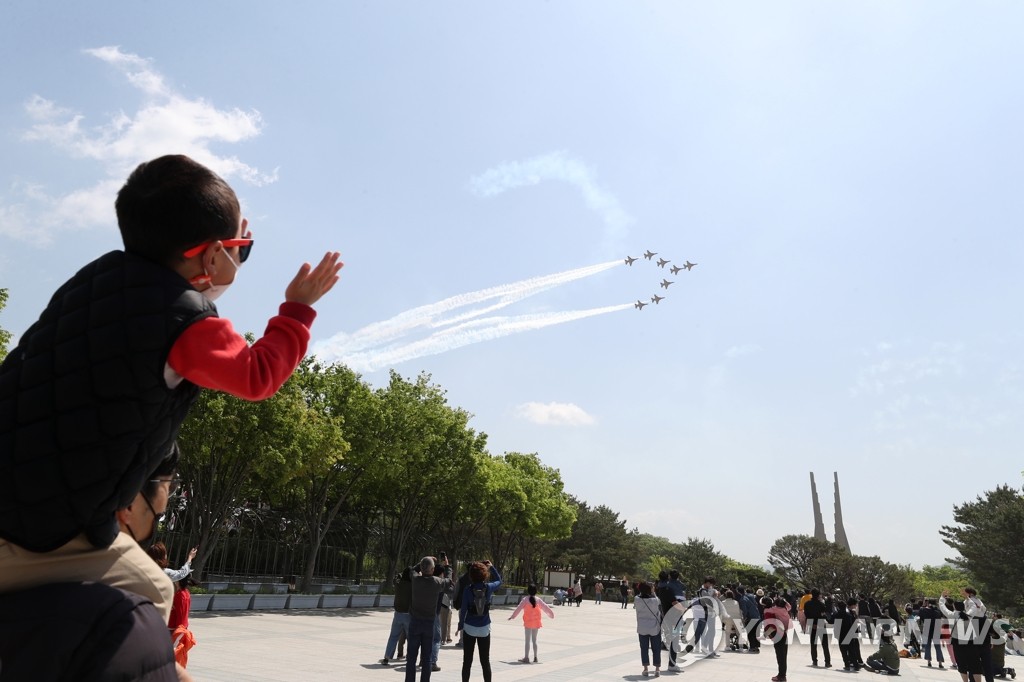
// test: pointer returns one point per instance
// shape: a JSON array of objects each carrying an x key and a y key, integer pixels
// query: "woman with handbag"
[{"x": 648, "y": 627}]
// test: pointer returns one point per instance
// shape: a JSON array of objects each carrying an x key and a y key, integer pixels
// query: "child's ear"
[{"x": 210, "y": 255}]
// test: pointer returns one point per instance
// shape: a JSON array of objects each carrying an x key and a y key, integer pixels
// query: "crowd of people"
[
  {"x": 426, "y": 595},
  {"x": 974, "y": 640}
]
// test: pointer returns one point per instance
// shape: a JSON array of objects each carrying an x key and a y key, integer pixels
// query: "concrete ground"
[{"x": 592, "y": 642}]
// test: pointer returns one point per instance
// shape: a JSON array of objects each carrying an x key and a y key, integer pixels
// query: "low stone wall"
[{"x": 264, "y": 602}]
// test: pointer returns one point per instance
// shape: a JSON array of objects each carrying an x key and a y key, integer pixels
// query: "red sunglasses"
[{"x": 244, "y": 247}]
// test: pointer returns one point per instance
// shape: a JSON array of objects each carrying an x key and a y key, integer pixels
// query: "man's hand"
[
  {"x": 192, "y": 554},
  {"x": 312, "y": 283}
]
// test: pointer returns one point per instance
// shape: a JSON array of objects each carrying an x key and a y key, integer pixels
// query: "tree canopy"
[
  {"x": 5, "y": 336},
  {"x": 987, "y": 536}
]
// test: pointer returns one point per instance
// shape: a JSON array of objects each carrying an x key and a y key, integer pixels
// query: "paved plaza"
[{"x": 587, "y": 643}]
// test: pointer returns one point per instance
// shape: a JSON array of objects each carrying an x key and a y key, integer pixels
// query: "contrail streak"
[
  {"x": 455, "y": 322},
  {"x": 432, "y": 315},
  {"x": 474, "y": 331}
]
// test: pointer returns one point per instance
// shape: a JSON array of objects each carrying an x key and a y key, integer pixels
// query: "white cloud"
[
  {"x": 555, "y": 414},
  {"x": 740, "y": 351},
  {"x": 165, "y": 122},
  {"x": 938, "y": 387},
  {"x": 560, "y": 167}
]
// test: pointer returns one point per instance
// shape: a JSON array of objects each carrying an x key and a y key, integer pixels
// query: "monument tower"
[
  {"x": 840, "y": 531},
  {"x": 819, "y": 524}
]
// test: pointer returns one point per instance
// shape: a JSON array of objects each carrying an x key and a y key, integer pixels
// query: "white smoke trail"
[
  {"x": 561, "y": 167},
  {"x": 431, "y": 316},
  {"x": 473, "y": 331}
]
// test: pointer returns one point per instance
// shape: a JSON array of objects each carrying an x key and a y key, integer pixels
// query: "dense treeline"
[{"x": 385, "y": 475}]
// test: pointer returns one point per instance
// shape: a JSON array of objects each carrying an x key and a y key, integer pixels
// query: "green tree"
[
  {"x": 987, "y": 536},
  {"x": 882, "y": 579},
  {"x": 654, "y": 554},
  {"x": 336, "y": 445},
  {"x": 5, "y": 336},
  {"x": 931, "y": 581},
  {"x": 463, "y": 516},
  {"x": 748, "y": 574},
  {"x": 427, "y": 452},
  {"x": 793, "y": 557},
  {"x": 600, "y": 544},
  {"x": 526, "y": 503},
  {"x": 225, "y": 443},
  {"x": 698, "y": 559}
]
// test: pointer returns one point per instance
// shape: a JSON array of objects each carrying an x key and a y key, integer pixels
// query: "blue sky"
[{"x": 845, "y": 174}]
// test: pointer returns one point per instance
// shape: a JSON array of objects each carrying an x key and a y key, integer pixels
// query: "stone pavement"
[{"x": 592, "y": 642}]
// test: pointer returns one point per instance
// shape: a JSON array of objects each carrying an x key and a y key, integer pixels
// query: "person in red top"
[
  {"x": 181, "y": 604},
  {"x": 132, "y": 336},
  {"x": 182, "y": 638},
  {"x": 776, "y": 628}
]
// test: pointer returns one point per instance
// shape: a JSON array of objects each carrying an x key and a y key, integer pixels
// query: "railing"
[{"x": 245, "y": 559}]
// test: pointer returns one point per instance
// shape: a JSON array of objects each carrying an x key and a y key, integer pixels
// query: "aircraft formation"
[{"x": 661, "y": 263}]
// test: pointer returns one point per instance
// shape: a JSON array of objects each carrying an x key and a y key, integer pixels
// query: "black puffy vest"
[{"x": 85, "y": 412}]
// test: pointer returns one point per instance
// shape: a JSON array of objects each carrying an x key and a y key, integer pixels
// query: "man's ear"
[{"x": 122, "y": 515}]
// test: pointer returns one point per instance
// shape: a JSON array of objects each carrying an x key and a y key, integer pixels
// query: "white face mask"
[{"x": 215, "y": 291}]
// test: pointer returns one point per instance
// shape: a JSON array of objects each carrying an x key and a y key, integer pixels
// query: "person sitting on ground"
[{"x": 887, "y": 658}]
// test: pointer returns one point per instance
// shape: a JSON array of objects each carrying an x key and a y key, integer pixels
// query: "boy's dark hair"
[{"x": 171, "y": 204}]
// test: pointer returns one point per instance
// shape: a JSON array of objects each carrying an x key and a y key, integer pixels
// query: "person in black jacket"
[
  {"x": 400, "y": 620},
  {"x": 893, "y": 612},
  {"x": 464, "y": 582},
  {"x": 814, "y": 610},
  {"x": 864, "y": 615},
  {"x": 930, "y": 620},
  {"x": 850, "y": 626}
]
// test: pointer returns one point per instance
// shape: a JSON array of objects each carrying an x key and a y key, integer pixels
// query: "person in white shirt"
[{"x": 648, "y": 627}]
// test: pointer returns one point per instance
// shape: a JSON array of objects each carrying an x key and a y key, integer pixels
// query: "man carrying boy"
[{"x": 92, "y": 397}]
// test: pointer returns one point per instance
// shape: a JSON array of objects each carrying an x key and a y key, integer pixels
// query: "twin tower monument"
[{"x": 819, "y": 524}]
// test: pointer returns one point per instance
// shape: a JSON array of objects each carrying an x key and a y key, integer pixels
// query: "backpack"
[{"x": 478, "y": 607}]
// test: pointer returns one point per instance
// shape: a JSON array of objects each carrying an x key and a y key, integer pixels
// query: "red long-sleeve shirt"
[{"x": 211, "y": 354}]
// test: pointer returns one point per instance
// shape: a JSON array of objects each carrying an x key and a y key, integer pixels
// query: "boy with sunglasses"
[{"x": 92, "y": 397}]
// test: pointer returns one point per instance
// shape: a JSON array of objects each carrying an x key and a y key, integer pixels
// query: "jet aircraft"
[
  {"x": 629, "y": 260},
  {"x": 639, "y": 305},
  {"x": 676, "y": 268},
  {"x": 665, "y": 283},
  {"x": 648, "y": 254},
  {"x": 662, "y": 262},
  {"x": 688, "y": 265},
  {"x": 657, "y": 299}
]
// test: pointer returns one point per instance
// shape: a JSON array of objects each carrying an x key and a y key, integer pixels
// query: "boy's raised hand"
[{"x": 311, "y": 283}]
